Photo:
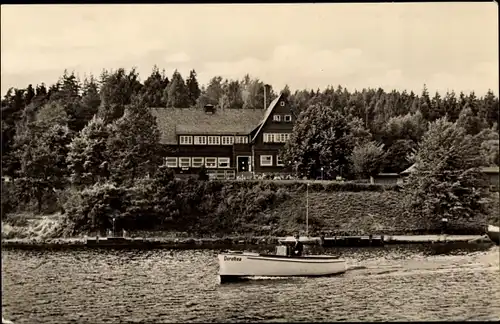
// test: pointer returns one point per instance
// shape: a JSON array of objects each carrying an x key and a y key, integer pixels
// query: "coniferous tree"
[
  {"x": 176, "y": 93},
  {"x": 117, "y": 90},
  {"x": 193, "y": 88},
  {"x": 134, "y": 144},
  {"x": 154, "y": 86},
  {"x": 88, "y": 156}
]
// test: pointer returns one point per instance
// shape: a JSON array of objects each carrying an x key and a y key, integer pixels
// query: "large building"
[{"x": 228, "y": 142}]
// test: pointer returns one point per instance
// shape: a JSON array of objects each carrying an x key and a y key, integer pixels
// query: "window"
[
  {"x": 276, "y": 137},
  {"x": 227, "y": 140},
  {"x": 288, "y": 118},
  {"x": 279, "y": 161},
  {"x": 200, "y": 140},
  {"x": 241, "y": 139},
  {"x": 276, "y": 118},
  {"x": 213, "y": 140},
  {"x": 171, "y": 162},
  {"x": 186, "y": 140},
  {"x": 211, "y": 162},
  {"x": 224, "y": 163},
  {"x": 184, "y": 162},
  {"x": 266, "y": 160},
  {"x": 282, "y": 104},
  {"x": 268, "y": 137},
  {"x": 197, "y": 162}
]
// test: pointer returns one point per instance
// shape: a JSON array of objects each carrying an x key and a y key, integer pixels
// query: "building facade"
[{"x": 227, "y": 142}]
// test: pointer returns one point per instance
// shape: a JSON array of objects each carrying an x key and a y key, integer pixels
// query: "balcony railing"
[{"x": 221, "y": 174}]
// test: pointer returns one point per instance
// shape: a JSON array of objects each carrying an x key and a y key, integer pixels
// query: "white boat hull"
[{"x": 234, "y": 265}]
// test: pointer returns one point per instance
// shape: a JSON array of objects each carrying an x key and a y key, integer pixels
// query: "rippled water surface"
[{"x": 161, "y": 286}]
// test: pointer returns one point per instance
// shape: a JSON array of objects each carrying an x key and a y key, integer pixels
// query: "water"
[{"x": 161, "y": 286}]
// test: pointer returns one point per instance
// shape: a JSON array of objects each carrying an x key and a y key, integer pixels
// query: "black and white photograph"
[{"x": 250, "y": 163}]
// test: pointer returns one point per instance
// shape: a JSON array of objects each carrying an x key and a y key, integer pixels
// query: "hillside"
[{"x": 244, "y": 208}]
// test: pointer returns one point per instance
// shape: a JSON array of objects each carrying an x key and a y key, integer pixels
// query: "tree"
[
  {"x": 42, "y": 147},
  {"x": 425, "y": 104},
  {"x": 450, "y": 105},
  {"x": 286, "y": 93},
  {"x": 448, "y": 182},
  {"x": 193, "y": 88},
  {"x": 41, "y": 96},
  {"x": 13, "y": 108},
  {"x": 490, "y": 108},
  {"x": 399, "y": 156},
  {"x": 232, "y": 95},
  {"x": 401, "y": 135},
  {"x": 360, "y": 134},
  {"x": 30, "y": 94},
  {"x": 214, "y": 90},
  {"x": 90, "y": 100},
  {"x": 367, "y": 159},
  {"x": 489, "y": 140},
  {"x": 176, "y": 93},
  {"x": 70, "y": 87},
  {"x": 154, "y": 86},
  {"x": 470, "y": 122},
  {"x": 134, "y": 144},
  {"x": 321, "y": 138},
  {"x": 253, "y": 95},
  {"x": 87, "y": 156},
  {"x": 117, "y": 90}
]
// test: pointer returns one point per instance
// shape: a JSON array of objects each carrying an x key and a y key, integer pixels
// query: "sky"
[{"x": 447, "y": 46}]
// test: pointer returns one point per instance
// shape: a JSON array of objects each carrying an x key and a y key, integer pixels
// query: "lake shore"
[{"x": 223, "y": 243}]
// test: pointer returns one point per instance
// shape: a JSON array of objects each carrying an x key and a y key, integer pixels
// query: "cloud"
[
  {"x": 180, "y": 57},
  {"x": 303, "y": 45},
  {"x": 300, "y": 67}
]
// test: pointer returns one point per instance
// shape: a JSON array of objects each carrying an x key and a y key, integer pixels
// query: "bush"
[
  {"x": 93, "y": 208},
  {"x": 8, "y": 198}
]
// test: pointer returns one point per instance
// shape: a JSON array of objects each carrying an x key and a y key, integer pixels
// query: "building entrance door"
[{"x": 243, "y": 163}]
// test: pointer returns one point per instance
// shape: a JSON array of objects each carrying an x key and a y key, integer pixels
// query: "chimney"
[
  {"x": 266, "y": 87},
  {"x": 265, "y": 101},
  {"x": 209, "y": 109}
]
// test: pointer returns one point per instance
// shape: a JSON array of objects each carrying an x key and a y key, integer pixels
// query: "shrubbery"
[
  {"x": 229, "y": 207},
  {"x": 198, "y": 207}
]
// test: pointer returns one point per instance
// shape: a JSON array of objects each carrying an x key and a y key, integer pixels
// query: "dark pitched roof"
[
  {"x": 489, "y": 169},
  {"x": 174, "y": 121},
  {"x": 269, "y": 110},
  {"x": 411, "y": 169}
]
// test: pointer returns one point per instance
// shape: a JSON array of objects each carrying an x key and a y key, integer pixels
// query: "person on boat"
[{"x": 298, "y": 248}]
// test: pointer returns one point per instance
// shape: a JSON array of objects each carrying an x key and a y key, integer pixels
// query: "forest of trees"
[{"x": 74, "y": 134}]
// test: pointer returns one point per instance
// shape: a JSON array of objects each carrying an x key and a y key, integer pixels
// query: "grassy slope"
[
  {"x": 363, "y": 212},
  {"x": 353, "y": 212}
]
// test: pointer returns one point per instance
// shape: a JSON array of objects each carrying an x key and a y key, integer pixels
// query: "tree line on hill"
[{"x": 73, "y": 135}]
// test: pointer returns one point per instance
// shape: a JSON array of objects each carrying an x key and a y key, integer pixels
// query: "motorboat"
[
  {"x": 235, "y": 265},
  {"x": 493, "y": 234}
]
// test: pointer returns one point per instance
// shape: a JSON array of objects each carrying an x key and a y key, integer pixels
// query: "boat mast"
[{"x": 307, "y": 210}]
